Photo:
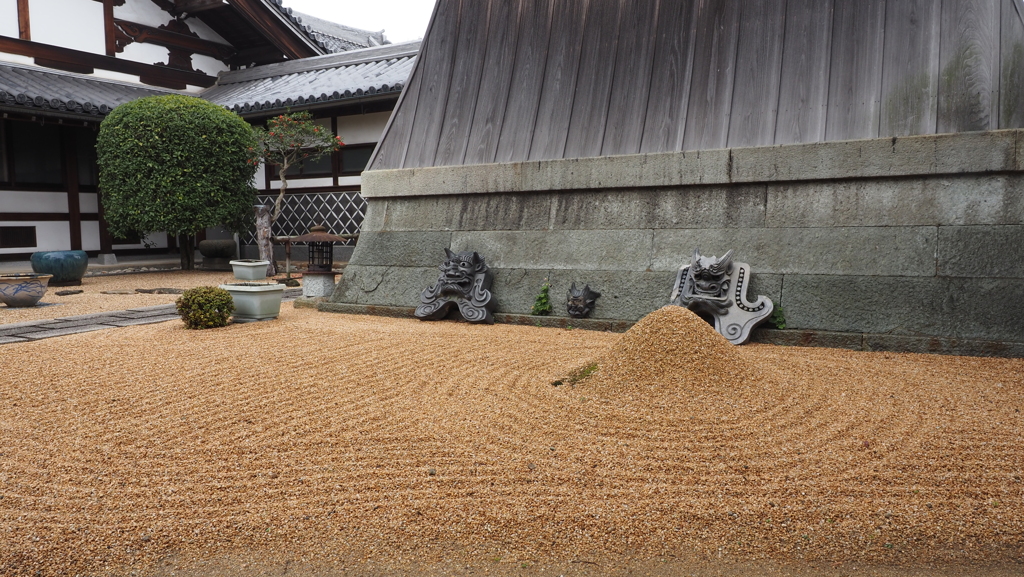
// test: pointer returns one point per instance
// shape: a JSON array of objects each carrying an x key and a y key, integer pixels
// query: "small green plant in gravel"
[
  {"x": 205, "y": 307},
  {"x": 542, "y": 305},
  {"x": 778, "y": 318}
]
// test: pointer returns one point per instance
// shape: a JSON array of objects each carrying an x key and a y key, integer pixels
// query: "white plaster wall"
[
  {"x": 142, "y": 12},
  {"x": 88, "y": 202},
  {"x": 25, "y": 201},
  {"x": 9, "y": 18},
  {"x": 302, "y": 183},
  {"x": 363, "y": 128},
  {"x": 16, "y": 58},
  {"x": 50, "y": 235},
  {"x": 90, "y": 235},
  {"x": 111, "y": 75},
  {"x": 146, "y": 12},
  {"x": 208, "y": 64},
  {"x": 350, "y": 180},
  {"x": 75, "y": 24},
  {"x": 144, "y": 53}
]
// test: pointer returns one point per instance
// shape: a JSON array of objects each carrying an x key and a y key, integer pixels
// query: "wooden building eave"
[
  {"x": 275, "y": 28},
  {"x": 85, "y": 63}
]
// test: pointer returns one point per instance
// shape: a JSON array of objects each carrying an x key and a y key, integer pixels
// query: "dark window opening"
[
  {"x": 5, "y": 176},
  {"x": 352, "y": 161},
  {"x": 17, "y": 237},
  {"x": 354, "y": 158},
  {"x": 35, "y": 153},
  {"x": 130, "y": 238},
  {"x": 88, "y": 169}
]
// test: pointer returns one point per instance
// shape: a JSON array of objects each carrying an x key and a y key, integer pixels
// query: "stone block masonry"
[{"x": 898, "y": 241}]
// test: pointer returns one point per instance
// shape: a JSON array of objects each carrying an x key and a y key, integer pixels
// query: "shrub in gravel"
[{"x": 205, "y": 307}]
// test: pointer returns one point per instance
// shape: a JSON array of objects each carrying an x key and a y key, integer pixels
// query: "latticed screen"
[{"x": 340, "y": 212}]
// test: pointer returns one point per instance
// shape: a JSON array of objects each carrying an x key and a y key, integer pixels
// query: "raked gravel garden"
[{"x": 329, "y": 444}]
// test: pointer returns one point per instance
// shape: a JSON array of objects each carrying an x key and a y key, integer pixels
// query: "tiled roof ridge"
[
  {"x": 326, "y": 61},
  {"x": 299, "y": 20}
]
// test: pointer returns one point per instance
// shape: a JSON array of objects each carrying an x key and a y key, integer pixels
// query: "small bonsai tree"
[
  {"x": 287, "y": 140},
  {"x": 176, "y": 164}
]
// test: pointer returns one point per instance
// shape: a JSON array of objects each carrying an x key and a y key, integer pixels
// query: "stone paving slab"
[
  {"x": 5, "y": 340},
  {"x": 66, "y": 324},
  {"x": 65, "y": 331},
  {"x": 133, "y": 314},
  {"x": 142, "y": 321},
  {"x": 5, "y": 332},
  {"x": 147, "y": 309}
]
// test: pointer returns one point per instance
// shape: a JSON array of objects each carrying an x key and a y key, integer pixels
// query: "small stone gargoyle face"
[
  {"x": 580, "y": 302},
  {"x": 458, "y": 271},
  {"x": 710, "y": 275}
]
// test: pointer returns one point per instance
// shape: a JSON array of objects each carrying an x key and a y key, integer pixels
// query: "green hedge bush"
[
  {"x": 205, "y": 307},
  {"x": 176, "y": 164}
]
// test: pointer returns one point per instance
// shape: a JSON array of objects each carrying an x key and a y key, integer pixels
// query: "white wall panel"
[
  {"x": 144, "y": 53},
  {"x": 90, "y": 235},
  {"x": 9, "y": 18},
  {"x": 50, "y": 235},
  {"x": 25, "y": 201},
  {"x": 363, "y": 128},
  {"x": 142, "y": 12},
  {"x": 74, "y": 24},
  {"x": 17, "y": 58},
  {"x": 350, "y": 180},
  {"x": 88, "y": 202},
  {"x": 275, "y": 185},
  {"x": 111, "y": 75},
  {"x": 208, "y": 64}
]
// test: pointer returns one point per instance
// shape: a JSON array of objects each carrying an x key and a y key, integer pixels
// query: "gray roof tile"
[
  {"x": 56, "y": 91},
  {"x": 334, "y": 77}
]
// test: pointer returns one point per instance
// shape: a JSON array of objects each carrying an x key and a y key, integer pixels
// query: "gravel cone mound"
[{"x": 674, "y": 353}]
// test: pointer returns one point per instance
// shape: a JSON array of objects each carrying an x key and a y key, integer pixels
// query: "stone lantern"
[{"x": 318, "y": 280}]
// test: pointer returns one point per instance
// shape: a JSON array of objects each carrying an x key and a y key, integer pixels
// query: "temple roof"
[
  {"x": 333, "y": 77},
  {"x": 61, "y": 93}
]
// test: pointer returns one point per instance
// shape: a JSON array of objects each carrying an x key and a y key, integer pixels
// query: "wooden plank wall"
[{"x": 514, "y": 80}]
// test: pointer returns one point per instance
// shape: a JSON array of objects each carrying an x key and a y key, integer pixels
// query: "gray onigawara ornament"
[
  {"x": 464, "y": 282},
  {"x": 580, "y": 302},
  {"x": 718, "y": 287}
]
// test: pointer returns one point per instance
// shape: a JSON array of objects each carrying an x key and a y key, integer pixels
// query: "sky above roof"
[{"x": 401, "y": 20}]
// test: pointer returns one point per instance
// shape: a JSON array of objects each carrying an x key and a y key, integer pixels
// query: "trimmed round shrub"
[
  {"x": 205, "y": 307},
  {"x": 176, "y": 164}
]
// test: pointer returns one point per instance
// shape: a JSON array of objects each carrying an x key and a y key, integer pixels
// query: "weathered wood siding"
[{"x": 515, "y": 80}]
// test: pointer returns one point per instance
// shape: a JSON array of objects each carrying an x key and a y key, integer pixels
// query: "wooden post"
[
  {"x": 24, "y": 30},
  {"x": 70, "y": 148}
]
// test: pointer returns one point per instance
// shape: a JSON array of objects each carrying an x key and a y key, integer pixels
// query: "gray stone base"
[
  {"x": 106, "y": 258},
  {"x": 317, "y": 284},
  {"x": 216, "y": 264}
]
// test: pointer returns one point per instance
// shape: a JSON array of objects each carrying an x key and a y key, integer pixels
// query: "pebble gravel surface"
[
  {"x": 112, "y": 293},
  {"x": 323, "y": 438}
]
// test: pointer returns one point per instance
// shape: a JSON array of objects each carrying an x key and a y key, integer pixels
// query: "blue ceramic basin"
[
  {"x": 22, "y": 290},
  {"x": 66, "y": 266}
]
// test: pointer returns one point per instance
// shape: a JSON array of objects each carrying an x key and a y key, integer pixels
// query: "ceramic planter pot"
[
  {"x": 66, "y": 266},
  {"x": 249, "y": 269},
  {"x": 255, "y": 301},
  {"x": 22, "y": 290}
]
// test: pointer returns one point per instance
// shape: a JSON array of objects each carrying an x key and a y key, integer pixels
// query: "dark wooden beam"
[
  {"x": 66, "y": 66},
  {"x": 195, "y": 6},
  {"x": 274, "y": 29},
  {"x": 24, "y": 30},
  {"x": 70, "y": 163},
  {"x": 175, "y": 35},
  {"x": 154, "y": 75},
  {"x": 108, "y": 27},
  {"x": 44, "y": 216}
]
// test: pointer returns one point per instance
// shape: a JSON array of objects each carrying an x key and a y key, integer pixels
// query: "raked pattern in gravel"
[{"x": 319, "y": 435}]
